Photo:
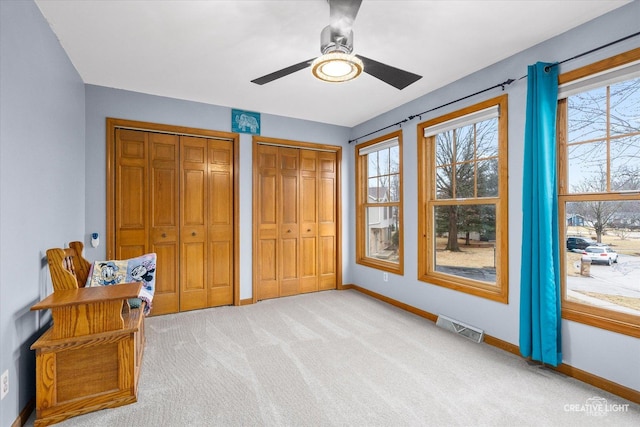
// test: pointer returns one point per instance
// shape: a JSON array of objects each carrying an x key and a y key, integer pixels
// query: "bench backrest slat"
[{"x": 68, "y": 268}]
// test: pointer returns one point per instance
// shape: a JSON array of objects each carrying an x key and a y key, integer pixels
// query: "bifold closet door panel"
[
  {"x": 193, "y": 222},
  {"x": 220, "y": 201},
  {"x": 131, "y": 193},
  {"x": 327, "y": 217},
  {"x": 164, "y": 206},
  {"x": 266, "y": 210},
  {"x": 308, "y": 221},
  {"x": 289, "y": 221}
]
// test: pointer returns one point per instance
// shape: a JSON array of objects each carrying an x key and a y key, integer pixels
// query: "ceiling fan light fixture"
[{"x": 337, "y": 67}]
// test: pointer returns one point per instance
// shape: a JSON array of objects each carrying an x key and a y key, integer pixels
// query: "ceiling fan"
[{"x": 337, "y": 63}]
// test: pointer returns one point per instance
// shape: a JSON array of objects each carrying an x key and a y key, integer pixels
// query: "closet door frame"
[
  {"x": 114, "y": 123},
  {"x": 277, "y": 142}
]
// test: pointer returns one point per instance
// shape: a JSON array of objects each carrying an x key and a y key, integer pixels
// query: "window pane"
[
  {"x": 488, "y": 178},
  {"x": 625, "y": 163},
  {"x": 625, "y": 107},
  {"x": 375, "y": 193},
  {"x": 383, "y": 162},
  {"x": 587, "y": 115},
  {"x": 383, "y": 189},
  {"x": 487, "y": 139},
  {"x": 465, "y": 180},
  {"x": 444, "y": 148},
  {"x": 587, "y": 167},
  {"x": 465, "y": 147},
  {"x": 382, "y": 233},
  {"x": 394, "y": 159},
  {"x": 372, "y": 167},
  {"x": 465, "y": 241},
  {"x": 444, "y": 183},
  {"x": 394, "y": 188},
  {"x": 608, "y": 276}
]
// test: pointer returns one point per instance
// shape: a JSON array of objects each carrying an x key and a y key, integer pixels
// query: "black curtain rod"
[
  {"x": 502, "y": 85},
  {"x": 580, "y": 55}
]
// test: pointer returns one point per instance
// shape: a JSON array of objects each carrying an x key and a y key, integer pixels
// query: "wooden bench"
[{"x": 90, "y": 358}]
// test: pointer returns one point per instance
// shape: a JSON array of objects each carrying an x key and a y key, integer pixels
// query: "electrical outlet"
[
  {"x": 385, "y": 276},
  {"x": 4, "y": 384}
]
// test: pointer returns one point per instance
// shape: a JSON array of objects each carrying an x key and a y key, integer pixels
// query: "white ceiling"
[{"x": 209, "y": 51}]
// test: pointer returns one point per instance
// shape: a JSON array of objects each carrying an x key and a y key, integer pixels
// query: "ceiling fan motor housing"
[{"x": 333, "y": 39}]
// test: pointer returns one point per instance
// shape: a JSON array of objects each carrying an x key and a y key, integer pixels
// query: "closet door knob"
[
  {"x": 164, "y": 234},
  {"x": 288, "y": 231},
  {"x": 193, "y": 233}
]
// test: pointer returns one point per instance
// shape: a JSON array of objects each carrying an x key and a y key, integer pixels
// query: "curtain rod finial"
[{"x": 507, "y": 83}]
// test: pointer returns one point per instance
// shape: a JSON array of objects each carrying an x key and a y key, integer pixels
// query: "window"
[
  {"x": 599, "y": 193},
  {"x": 462, "y": 220},
  {"x": 379, "y": 239}
]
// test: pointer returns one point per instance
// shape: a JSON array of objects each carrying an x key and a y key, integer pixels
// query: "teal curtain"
[{"x": 540, "y": 314}]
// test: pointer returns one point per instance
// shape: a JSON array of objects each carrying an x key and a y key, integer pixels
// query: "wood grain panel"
[
  {"x": 268, "y": 270},
  {"x": 193, "y": 271},
  {"x": 166, "y": 297},
  {"x": 221, "y": 199},
  {"x": 46, "y": 379},
  {"x": 268, "y": 201},
  {"x": 132, "y": 208},
  {"x": 72, "y": 320},
  {"x": 99, "y": 367}
]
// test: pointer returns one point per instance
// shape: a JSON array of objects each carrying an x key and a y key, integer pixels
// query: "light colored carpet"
[{"x": 341, "y": 358}]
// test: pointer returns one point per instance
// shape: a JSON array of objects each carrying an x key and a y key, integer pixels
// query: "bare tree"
[
  {"x": 597, "y": 214},
  {"x": 604, "y": 153},
  {"x": 466, "y": 167}
]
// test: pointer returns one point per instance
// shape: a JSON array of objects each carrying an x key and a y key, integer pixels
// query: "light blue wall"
[
  {"x": 102, "y": 102},
  {"x": 41, "y": 182},
  {"x": 606, "y": 354}
]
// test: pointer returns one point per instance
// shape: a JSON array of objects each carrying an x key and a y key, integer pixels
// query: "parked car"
[
  {"x": 601, "y": 254},
  {"x": 579, "y": 243}
]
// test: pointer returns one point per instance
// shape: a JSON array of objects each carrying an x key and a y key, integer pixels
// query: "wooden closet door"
[
  {"x": 193, "y": 222},
  {"x": 175, "y": 196},
  {"x": 220, "y": 200},
  {"x": 327, "y": 217},
  {"x": 308, "y": 221},
  {"x": 163, "y": 204},
  {"x": 131, "y": 193},
  {"x": 266, "y": 218},
  {"x": 289, "y": 221},
  {"x": 295, "y": 223}
]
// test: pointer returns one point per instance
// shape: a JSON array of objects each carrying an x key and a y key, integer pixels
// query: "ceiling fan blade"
[
  {"x": 391, "y": 75},
  {"x": 282, "y": 73},
  {"x": 342, "y": 13}
]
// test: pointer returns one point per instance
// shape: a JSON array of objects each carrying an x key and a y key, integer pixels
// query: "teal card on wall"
[{"x": 245, "y": 121}]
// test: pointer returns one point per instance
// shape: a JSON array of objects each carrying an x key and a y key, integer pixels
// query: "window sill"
[
  {"x": 472, "y": 287},
  {"x": 391, "y": 267}
]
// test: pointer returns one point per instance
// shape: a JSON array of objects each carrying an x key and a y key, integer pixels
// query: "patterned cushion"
[{"x": 140, "y": 269}]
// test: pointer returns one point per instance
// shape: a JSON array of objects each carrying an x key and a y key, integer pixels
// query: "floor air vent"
[{"x": 469, "y": 332}]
